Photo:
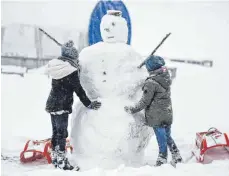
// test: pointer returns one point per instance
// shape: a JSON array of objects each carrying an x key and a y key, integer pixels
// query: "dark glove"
[
  {"x": 95, "y": 105},
  {"x": 128, "y": 109}
]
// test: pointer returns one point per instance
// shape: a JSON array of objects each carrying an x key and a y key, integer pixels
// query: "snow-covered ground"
[{"x": 199, "y": 103}]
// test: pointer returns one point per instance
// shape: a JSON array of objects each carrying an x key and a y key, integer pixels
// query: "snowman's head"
[{"x": 113, "y": 27}]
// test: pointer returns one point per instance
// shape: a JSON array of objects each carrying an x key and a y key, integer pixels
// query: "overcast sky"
[{"x": 199, "y": 29}]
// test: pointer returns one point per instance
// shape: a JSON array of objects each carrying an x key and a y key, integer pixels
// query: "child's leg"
[
  {"x": 54, "y": 132},
  {"x": 172, "y": 145},
  {"x": 62, "y": 130},
  {"x": 54, "y": 140},
  {"x": 161, "y": 139},
  {"x": 62, "y": 134},
  {"x": 162, "y": 144}
]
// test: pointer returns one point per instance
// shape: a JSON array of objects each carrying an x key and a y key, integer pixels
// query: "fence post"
[
  {"x": 38, "y": 45},
  {"x": 2, "y": 37}
]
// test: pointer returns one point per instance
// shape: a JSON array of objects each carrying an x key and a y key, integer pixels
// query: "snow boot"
[
  {"x": 176, "y": 157},
  {"x": 63, "y": 163},
  {"x": 54, "y": 158},
  {"x": 162, "y": 159}
]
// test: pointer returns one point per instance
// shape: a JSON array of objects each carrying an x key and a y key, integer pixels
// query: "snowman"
[{"x": 110, "y": 136}]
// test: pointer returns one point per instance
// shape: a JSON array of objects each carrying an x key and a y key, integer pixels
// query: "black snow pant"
[{"x": 59, "y": 131}]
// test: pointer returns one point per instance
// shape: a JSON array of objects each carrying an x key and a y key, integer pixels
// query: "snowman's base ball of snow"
[{"x": 108, "y": 134}]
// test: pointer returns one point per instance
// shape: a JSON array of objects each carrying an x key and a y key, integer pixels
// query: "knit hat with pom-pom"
[{"x": 68, "y": 50}]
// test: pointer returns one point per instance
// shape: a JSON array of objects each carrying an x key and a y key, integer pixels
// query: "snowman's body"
[{"x": 109, "y": 73}]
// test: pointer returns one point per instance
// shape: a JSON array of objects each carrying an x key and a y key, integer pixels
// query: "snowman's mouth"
[{"x": 110, "y": 37}]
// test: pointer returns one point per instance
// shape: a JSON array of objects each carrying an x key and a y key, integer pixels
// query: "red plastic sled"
[
  {"x": 211, "y": 145},
  {"x": 39, "y": 149}
]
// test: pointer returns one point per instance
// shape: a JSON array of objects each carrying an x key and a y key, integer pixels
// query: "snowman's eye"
[{"x": 113, "y": 23}]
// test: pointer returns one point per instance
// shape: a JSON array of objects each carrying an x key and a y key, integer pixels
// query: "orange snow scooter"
[
  {"x": 39, "y": 149},
  {"x": 211, "y": 145}
]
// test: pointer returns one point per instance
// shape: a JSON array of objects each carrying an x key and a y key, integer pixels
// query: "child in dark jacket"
[
  {"x": 65, "y": 81},
  {"x": 156, "y": 101}
]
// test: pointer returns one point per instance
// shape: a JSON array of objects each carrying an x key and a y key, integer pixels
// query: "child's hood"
[
  {"x": 58, "y": 69},
  {"x": 162, "y": 77}
]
